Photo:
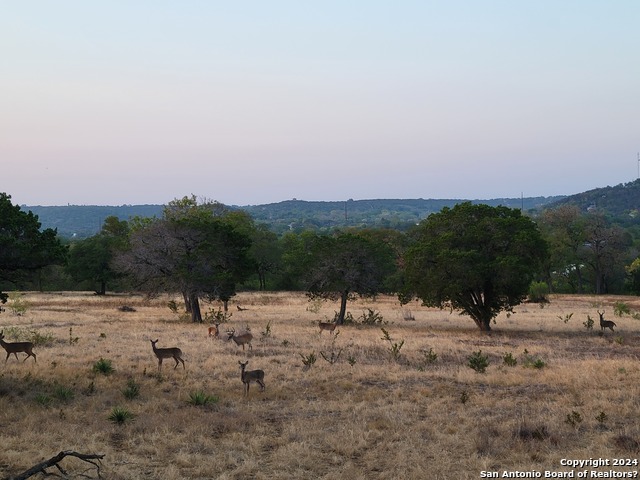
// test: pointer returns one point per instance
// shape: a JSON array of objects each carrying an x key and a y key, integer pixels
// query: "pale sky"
[{"x": 143, "y": 101}]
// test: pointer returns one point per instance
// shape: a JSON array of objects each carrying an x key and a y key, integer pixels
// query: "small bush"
[
  {"x": 120, "y": 415},
  {"x": 566, "y": 318},
  {"x": 62, "y": 393},
  {"x": 22, "y": 334},
  {"x": 538, "y": 292},
  {"x": 266, "y": 333},
  {"x": 620, "y": 309},
  {"x": 103, "y": 366},
  {"x": 44, "y": 399},
  {"x": 308, "y": 360},
  {"x": 394, "y": 347},
  {"x": 199, "y": 398},
  {"x": 478, "y": 362},
  {"x": 17, "y": 303},
  {"x": 217, "y": 316},
  {"x": 574, "y": 419},
  {"x": 371, "y": 317},
  {"x": 509, "y": 360},
  {"x": 588, "y": 323},
  {"x": 530, "y": 361},
  {"x": 132, "y": 390}
]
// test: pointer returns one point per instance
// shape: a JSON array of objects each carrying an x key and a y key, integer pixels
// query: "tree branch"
[{"x": 53, "y": 461}]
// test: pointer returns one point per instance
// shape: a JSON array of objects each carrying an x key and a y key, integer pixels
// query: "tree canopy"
[
  {"x": 192, "y": 251},
  {"x": 347, "y": 265},
  {"x": 90, "y": 260},
  {"x": 23, "y": 247},
  {"x": 476, "y": 259}
]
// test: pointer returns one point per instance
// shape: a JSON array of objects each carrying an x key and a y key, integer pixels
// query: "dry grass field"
[{"x": 382, "y": 410}]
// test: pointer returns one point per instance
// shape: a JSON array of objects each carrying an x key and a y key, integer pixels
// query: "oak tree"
[{"x": 476, "y": 259}]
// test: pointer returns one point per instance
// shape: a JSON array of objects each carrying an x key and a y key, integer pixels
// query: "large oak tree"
[
  {"x": 192, "y": 250},
  {"x": 477, "y": 259}
]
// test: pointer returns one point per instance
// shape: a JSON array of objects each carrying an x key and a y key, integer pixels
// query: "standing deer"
[
  {"x": 604, "y": 324},
  {"x": 163, "y": 353},
  {"x": 251, "y": 376},
  {"x": 17, "y": 347},
  {"x": 329, "y": 326},
  {"x": 213, "y": 331},
  {"x": 243, "y": 339}
]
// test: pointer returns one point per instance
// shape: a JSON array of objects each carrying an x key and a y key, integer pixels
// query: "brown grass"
[{"x": 382, "y": 417}]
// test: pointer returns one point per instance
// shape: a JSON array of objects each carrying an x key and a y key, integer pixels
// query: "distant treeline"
[{"x": 82, "y": 221}]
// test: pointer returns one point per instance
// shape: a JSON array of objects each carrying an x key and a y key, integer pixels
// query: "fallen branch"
[{"x": 53, "y": 461}]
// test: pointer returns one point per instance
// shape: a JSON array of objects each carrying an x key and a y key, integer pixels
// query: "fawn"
[
  {"x": 604, "y": 324},
  {"x": 251, "y": 376},
  {"x": 213, "y": 331},
  {"x": 329, "y": 326},
  {"x": 163, "y": 353},
  {"x": 243, "y": 339},
  {"x": 17, "y": 347}
]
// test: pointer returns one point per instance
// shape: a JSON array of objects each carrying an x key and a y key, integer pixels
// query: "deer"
[
  {"x": 243, "y": 339},
  {"x": 17, "y": 347},
  {"x": 240, "y": 309},
  {"x": 163, "y": 353},
  {"x": 329, "y": 326},
  {"x": 604, "y": 324},
  {"x": 213, "y": 331},
  {"x": 251, "y": 376}
]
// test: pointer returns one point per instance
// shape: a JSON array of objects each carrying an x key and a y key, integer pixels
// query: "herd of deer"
[{"x": 247, "y": 376}]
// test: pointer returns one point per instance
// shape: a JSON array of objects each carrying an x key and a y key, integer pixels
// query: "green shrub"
[
  {"x": 509, "y": 360},
  {"x": 538, "y": 292},
  {"x": 394, "y": 347},
  {"x": 120, "y": 415},
  {"x": 588, "y": 323},
  {"x": 530, "y": 361},
  {"x": 621, "y": 308},
  {"x": 478, "y": 362},
  {"x": 103, "y": 366},
  {"x": 44, "y": 399},
  {"x": 371, "y": 317},
  {"x": 199, "y": 398},
  {"x": 132, "y": 390},
  {"x": 62, "y": 393},
  {"x": 308, "y": 360}
]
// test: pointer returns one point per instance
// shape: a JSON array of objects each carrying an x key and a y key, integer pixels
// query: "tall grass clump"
[
  {"x": 200, "y": 398},
  {"x": 120, "y": 415},
  {"x": 103, "y": 366}
]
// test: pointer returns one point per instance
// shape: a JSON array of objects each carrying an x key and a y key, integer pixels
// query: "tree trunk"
[
  {"x": 187, "y": 302},
  {"x": 196, "y": 315},
  {"x": 483, "y": 324},
  {"x": 343, "y": 307}
]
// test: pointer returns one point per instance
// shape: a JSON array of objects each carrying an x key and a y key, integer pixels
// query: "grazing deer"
[
  {"x": 213, "y": 331},
  {"x": 329, "y": 326},
  {"x": 17, "y": 347},
  {"x": 243, "y": 339},
  {"x": 163, "y": 353},
  {"x": 240, "y": 309},
  {"x": 251, "y": 376},
  {"x": 604, "y": 324}
]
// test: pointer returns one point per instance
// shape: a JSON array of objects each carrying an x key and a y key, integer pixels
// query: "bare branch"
[{"x": 53, "y": 461}]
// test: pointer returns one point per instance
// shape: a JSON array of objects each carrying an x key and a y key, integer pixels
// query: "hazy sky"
[{"x": 139, "y": 102}]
